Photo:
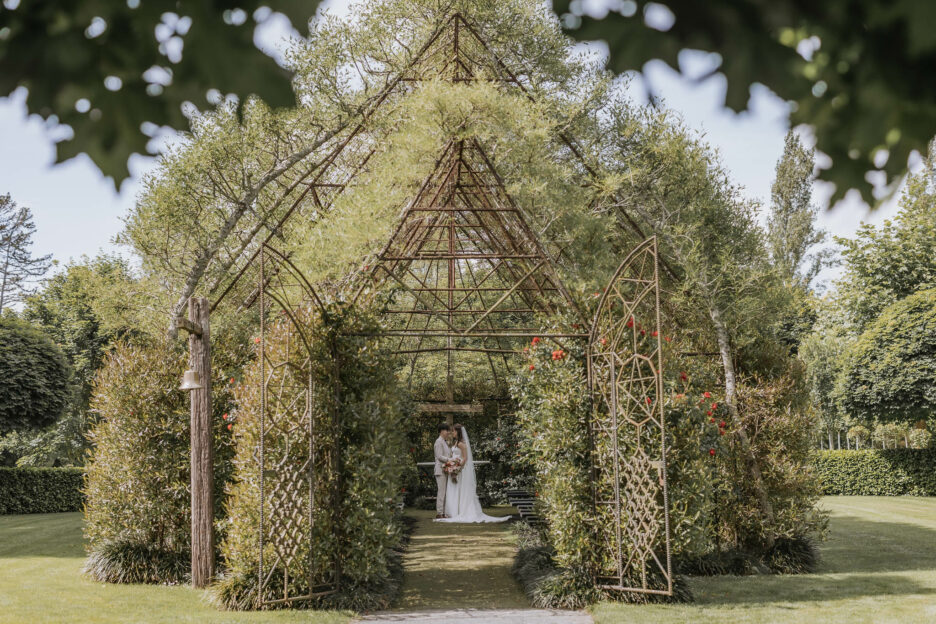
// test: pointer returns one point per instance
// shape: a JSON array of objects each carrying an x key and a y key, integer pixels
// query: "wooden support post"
[{"x": 202, "y": 478}]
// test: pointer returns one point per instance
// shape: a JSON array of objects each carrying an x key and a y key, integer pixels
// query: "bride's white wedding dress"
[{"x": 461, "y": 497}]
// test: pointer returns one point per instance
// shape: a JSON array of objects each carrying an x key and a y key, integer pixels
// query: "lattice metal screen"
[
  {"x": 296, "y": 451},
  {"x": 628, "y": 431}
]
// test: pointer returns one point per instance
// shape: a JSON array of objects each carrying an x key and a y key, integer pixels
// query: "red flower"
[
  {"x": 722, "y": 424},
  {"x": 596, "y": 294},
  {"x": 712, "y": 420},
  {"x": 225, "y": 417},
  {"x": 721, "y": 432},
  {"x": 535, "y": 340},
  {"x": 532, "y": 367},
  {"x": 643, "y": 332},
  {"x": 714, "y": 406},
  {"x": 655, "y": 333},
  {"x": 630, "y": 322},
  {"x": 604, "y": 341},
  {"x": 257, "y": 340},
  {"x": 711, "y": 452},
  {"x": 709, "y": 413},
  {"x": 667, "y": 338},
  {"x": 232, "y": 380},
  {"x": 707, "y": 395},
  {"x": 649, "y": 400},
  {"x": 683, "y": 377},
  {"x": 230, "y": 427}
]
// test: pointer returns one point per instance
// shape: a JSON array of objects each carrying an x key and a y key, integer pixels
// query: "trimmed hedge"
[
  {"x": 40, "y": 490},
  {"x": 878, "y": 472}
]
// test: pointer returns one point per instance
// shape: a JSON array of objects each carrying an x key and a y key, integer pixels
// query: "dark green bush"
[
  {"x": 34, "y": 378},
  {"x": 877, "y": 472},
  {"x": 40, "y": 490},
  {"x": 129, "y": 562}
]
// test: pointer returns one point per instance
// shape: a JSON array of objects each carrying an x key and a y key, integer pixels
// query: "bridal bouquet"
[{"x": 452, "y": 467}]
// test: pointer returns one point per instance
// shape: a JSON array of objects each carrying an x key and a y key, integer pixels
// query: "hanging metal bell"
[{"x": 190, "y": 381}]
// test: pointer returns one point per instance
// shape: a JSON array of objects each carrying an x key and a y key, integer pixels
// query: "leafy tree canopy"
[
  {"x": 114, "y": 71},
  {"x": 34, "y": 377},
  {"x": 884, "y": 264},
  {"x": 860, "y": 73},
  {"x": 890, "y": 372}
]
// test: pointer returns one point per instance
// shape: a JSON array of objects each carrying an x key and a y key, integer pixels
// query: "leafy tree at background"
[
  {"x": 81, "y": 308},
  {"x": 890, "y": 372},
  {"x": 859, "y": 72},
  {"x": 791, "y": 224},
  {"x": 114, "y": 71},
  {"x": 34, "y": 378},
  {"x": 18, "y": 267},
  {"x": 884, "y": 264}
]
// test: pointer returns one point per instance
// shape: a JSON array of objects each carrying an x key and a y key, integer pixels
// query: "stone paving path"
[{"x": 460, "y": 573}]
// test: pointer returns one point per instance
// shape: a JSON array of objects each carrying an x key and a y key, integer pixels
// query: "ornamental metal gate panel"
[
  {"x": 625, "y": 369},
  {"x": 296, "y": 452}
]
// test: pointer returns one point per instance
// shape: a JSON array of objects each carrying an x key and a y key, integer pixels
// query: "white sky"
[{"x": 77, "y": 210}]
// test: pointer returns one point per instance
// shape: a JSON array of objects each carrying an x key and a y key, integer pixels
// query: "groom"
[{"x": 443, "y": 453}]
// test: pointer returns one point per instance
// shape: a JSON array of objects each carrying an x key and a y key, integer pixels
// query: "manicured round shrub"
[
  {"x": 34, "y": 378},
  {"x": 890, "y": 372}
]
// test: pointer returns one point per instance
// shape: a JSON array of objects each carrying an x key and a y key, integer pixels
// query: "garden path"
[{"x": 461, "y": 573}]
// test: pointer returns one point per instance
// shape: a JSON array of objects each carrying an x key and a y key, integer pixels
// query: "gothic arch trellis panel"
[
  {"x": 625, "y": 370},
  {"x": 296, "y": 454}
]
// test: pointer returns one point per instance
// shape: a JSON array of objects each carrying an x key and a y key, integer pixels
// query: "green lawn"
[
  {"x": 879, "y": 565},
  {"x": 40, "y": 581}
]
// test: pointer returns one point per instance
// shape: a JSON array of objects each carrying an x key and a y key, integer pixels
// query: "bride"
[{"x": 461, "y": 496}]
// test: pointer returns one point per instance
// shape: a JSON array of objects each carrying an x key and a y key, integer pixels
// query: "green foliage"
[
  {"x": 81, "y": 308},
  {"x": 64, "y": 55},
  {"x": 19, "y": 269},
  {"x": 500, "y": 445},
  {"x": 34, "y": 377},
  {"x": 920, "y": 438},
  {"x": 553, "y": 412},
  {"x": 357, "y": 410},
  {"x": 890, "y": 372},
  {"x": 137, "y": 488},
  {"x": 133, "y": 562},
  {"x": 774, "y": 410},
  {"x": 878, "y": 472},
  {"x": 822, "y": 352},
  {"x": 40, "y": 490},
  {"x": 887, "y": 263},
  {"x": 860, "y": 435},
  {"x": 860, "y": 90},
  {"x": 791, "y": 224},
  {"x": 796, "y": 555}
]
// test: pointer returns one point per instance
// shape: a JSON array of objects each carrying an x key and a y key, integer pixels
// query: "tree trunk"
[
  {"x": 830, "y": 440},
  {"x": 3, "y": 288},
  {"x": 838, "y": 435},
  {"x": 202, "y": 451},
  {"x": 753, "y": 468}
]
